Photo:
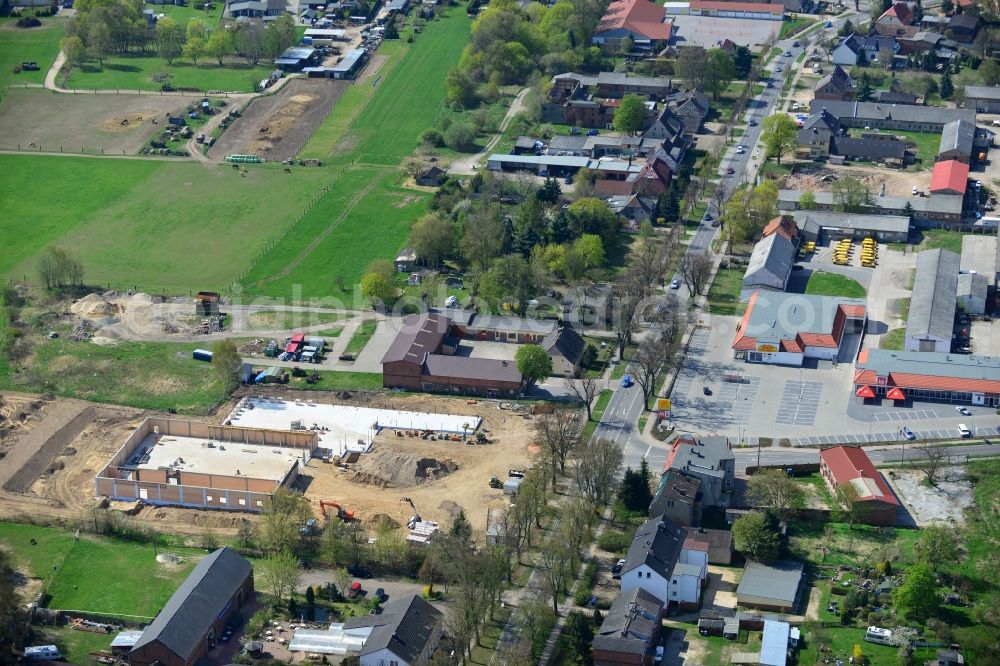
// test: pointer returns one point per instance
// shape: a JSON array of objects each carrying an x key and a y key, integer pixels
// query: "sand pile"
[
  {"x": 392, "y": 469},
  {"x": 95, "y": 305}
]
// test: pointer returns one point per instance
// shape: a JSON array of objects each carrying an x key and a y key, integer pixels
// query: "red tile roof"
[
  {"x": 744, "y": 342},
  {"x": 784, "y": 226},
  {"x": 901, "y": 11},
  {"x": 692, "y": 543},
  {"x": 847, "y": 463},
  {"x": 906, "y": 380},
  {"x": 950, "y": 176},
  {"x": 640, "y": 17},
  {"x": 737, "y": 6}
]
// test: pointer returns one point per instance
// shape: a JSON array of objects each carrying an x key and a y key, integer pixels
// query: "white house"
[
  {"x": 846, "y": 53},
  {"x": 659, "y": 563}
]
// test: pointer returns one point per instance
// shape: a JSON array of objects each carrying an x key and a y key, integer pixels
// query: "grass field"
[
  {"x": 832, "y": 284},
  {"x": 361, "y": 336},
  {"x": 18, "y": 45},
  {"x": 143, "y": 224},
  {"x": 893, "y": 339},
  {"x": 134, "y": 72},
  {"x": 724, "y": 294},
  {"x": 941, "y": 238},
  {"x": 286, "y": 320},
  {"x": 340, "y": 381},
  {"x": 140, "y": 374}
]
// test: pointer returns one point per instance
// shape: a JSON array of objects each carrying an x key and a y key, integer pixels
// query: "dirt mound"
[
  {"x": 380, "y": 519},
  {"x": 95, "y": 305},
  {"x": 392, "y": 469},
  {"x": 125, "y": 123}
]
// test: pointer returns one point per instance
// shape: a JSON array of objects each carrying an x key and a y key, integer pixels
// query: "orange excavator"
[{"x": 341, "y": 512}]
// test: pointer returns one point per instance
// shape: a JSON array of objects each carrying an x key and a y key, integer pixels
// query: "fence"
[
  {"x": 57, "y": 615},
  {"x": 119, "y": 91}
]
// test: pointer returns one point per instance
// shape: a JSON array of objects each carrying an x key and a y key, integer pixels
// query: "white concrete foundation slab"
[{"x": 191, "y": 454}]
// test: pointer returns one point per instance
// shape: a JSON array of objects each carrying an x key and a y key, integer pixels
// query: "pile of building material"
[{"x": 392, "y": 469}]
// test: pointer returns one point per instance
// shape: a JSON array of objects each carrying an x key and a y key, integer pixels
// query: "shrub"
[
  {"x": 460, "y": 136},
  {"x": 613, "y": 542},
  {"x": 432, "y": 137}
]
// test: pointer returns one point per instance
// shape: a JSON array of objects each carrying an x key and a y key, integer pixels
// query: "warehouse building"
[
  {"x": 754, "y": 11},
  {"x": 770, "y": 265},
  {"x": 957, "y": 140},
  {"x": 643, "y": 21},
  {"x": 786, "y": 329},
  {"x": 194, "y": 618},
  {"x": 816, "y": 226},
  {"x": 848, "y": 465},
  {"x": 985, "y": 99},
  {"x": 204, "y": 466},
  {"x": 931, "y": 321},
  {"x": 770, "y": 587},
  {"x": 875, "y": 115},
  {"x": 950, "y": 177},
  {"x": 297, "y": 58},
  {"x": 958, "y": 378},
  {"x": 936, "y": 210}
]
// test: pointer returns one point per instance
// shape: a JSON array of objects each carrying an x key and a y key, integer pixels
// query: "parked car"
[
  {"x": 593, "y": 132},
  {"x": 659, "y": 654},
  {"x": 908, "y": 434},
  {"x": 346, "y": 357},
  {"x": 964, "y": 411},
  {"x": 964, "y": 431},
  {"x": 626, "y": 380},
  {"x": 706, "y": 390},
  {"x": 730, "y": 171},
  {"x": 777, "y": 70},
  {"x": 707, "y": 217},
  {"x": 740, "y": 149},
  {"x": 381, "y": 595},
  {"x": 795, "y": 44},
  {"x": 752, "y": 123}
]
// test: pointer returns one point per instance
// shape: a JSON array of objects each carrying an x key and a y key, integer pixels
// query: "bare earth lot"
[
  {"x": 42, "y": 120},
  {"x": 945, "y": 502},
  {"x": 289, "y": 118}
]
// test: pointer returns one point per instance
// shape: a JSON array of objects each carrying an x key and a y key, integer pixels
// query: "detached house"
[
  {"x": 896, "y": 21},
  {"x": 658, "y": 562},
  {"x": 836, "y": 85},
  {"x": 630, "y": 631}
]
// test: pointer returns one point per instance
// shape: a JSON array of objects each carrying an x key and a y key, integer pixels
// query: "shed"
[
  {"x": 770, "y": 587},
  {"x": 972, "y": 292},
  {"x": 431, "y": 177}
]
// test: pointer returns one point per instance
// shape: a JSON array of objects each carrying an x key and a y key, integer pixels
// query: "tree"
[
  {"x": 947, "y": 88},
  {"x": 917, "y": 597},
  {"x": 780, "y": 135},
  {"x": 560, "y": 432},
  {"x": 279, "y": 575},
  {"x": 554, "y": 561},
  {"x": 930, "y": 461},
  {"x": 249, "y": 41},
  {"x": 695, "y": 269},
  {"x": 279, "y": 35},
  {"x": 775, "y": 489},
  {"x": 850, "y": 195},
  {"x": 629, "y": 115},
  {"x": 846, "y": 29},
  {"x": 850, "y": 508},
  {"x": 592, "y": 216},
  {"x": 507, "y": 283},
  {"x": 655, "y": 353},
  {"x": 581, "y": 634},
  {"x": 484, "y": 239},
  {"x": 938, "y": 546},
  {"x": 628, "y": 292},
  {"x": 586, "y": 389},
  {"x": 169, "y": 39},
  {"x": 719, "y": 72},
  {"x": 226, "y": 363},
  {"x": 99, "y": 44},
  {"x": 692, "y": 66},
  {"x": 219, "y": 45},
  {"x": 595, "y": 467},
  {"x": 634, "y": 492},
  {"x": 58, "y": 268},
  {"x": 807, "y": 201},
  {"x": 193, "y": 49},
  {"x": 742, "y": 61},
  {"x": 755, "y": 536},
  {"x": 990, "y": 72},
  {"x": 460, "y": 136},
  {"x": 533, "y": 362},
  {"x": 433, "y": 238},
  {"x": 76, "y": 52},
  {"x": 280, "y": 526},
  {"x": 947, "y": 6},
  {"x": 13, "y": 619},
  {"x": 376, "y": 287}
]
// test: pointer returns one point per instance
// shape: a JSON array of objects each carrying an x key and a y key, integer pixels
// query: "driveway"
[{"x": 394, "y": 588}]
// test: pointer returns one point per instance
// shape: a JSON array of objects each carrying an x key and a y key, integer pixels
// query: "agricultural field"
[
  {"x": 141, "y": 224},
  {"x": 18, "y": 45},
  {"x": 135, "y": 72}
]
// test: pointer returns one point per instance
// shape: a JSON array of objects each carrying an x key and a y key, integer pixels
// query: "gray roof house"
[
  {"x": 816, "y": 136},
  {"x": 957, "y": 140},
  {"x": 873, "y": 115},
  {"x": 407, "y": 632},
  {"x": 770, "y": 587},
  {"x": 631, "y": 629},
  {"x": 836, "y": 85},
  {"x": 932, "y": 305},
  {"x": 711, "y": 460},
  {"x": 871, "y": 147},
  {"x": 770, "y": 265},
  {"x": 565, "y": 348},
  {"x": 191, "y": 622},
  {"x": 894, "y": 97},
  {"x": 656, "y": 545}
]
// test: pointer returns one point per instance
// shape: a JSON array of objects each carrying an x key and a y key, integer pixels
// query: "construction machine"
[
  {"x": 341, "y": 512},
  {"x": 415, "y": 518}
]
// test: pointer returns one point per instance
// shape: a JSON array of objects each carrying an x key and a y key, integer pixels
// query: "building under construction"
[{"x": 204, "y": 466}]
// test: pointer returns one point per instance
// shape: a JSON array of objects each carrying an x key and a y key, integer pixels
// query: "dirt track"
[{"x": 290, "y": 117}]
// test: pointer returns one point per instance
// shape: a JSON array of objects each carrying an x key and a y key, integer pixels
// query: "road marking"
[{"x": 646, "y": 454}]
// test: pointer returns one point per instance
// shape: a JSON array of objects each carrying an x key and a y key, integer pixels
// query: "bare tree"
[
  {"x": 279, "y": 575},
  {"x": 932, "y": 460},
  {"x": 649, "y": 261},
  {"x": 629, "y": 293},
  {"x": 595, "y": 468},
  {"x": 695, "y": 268},
  {"x": 647, "y": 363},
  {"x": 586, "y": 389},
  {"x": 560, "y": 432},
  {"x": 774, "y": 488},
  {"x": 554, "y": 565}
]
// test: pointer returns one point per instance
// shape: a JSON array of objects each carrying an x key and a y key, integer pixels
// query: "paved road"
[{"x": 888, "y": 454}]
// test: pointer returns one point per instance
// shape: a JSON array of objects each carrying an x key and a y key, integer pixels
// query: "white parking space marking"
[{"x": 799, "y": 402}]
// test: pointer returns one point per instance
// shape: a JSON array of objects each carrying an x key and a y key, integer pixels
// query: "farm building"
[
  {"x": 959, "y": 378},
  {"x": 770, "y": 265},
  {"x": 206, "y": 304},
  {"x": 873, "y": 115},
  {"x": 815, "y": 225},
  {"x": 262, "y": 9},
  {"x": 985, "y": 99},
  {"x": 931, "y": 319},
  {"x": 848, "y": 465},
  {"x": 774, "y": 587},
  {"x": 950, "y": 177},
  {"x": 193, "y": 619},
  {"x": 957, "y": 141},
  {"x": 616, "y": 84},
  {"x": 973, "y": 291},
  {"x": 937, "y": 209},
  {"x": 786, "y": 329},
  {"x": 431, "y": 177},
  {"x": 199, "y": 465},
  {"x": 630, "y": 631},
  {"x": 297, "y": 58},
  {"x": 350, "y": 64}
]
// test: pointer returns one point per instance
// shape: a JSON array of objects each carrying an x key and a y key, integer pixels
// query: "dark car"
[
  {"x": 359, "y": 571},
  {"x": 706, "y": 390},
  {"x": 381, "y": 595},
  {"x": 752, "y": 123},
  {"x": 346, "y": 357}
]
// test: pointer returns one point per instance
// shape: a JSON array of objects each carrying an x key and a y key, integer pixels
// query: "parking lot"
[{"x": 799, "y": 403}]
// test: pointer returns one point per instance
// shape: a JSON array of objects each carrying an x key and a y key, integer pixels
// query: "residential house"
[
  {"x": 632, "y": 206},
  {"x": 872, "y": 115},
  {"x": 691, "y": 106},
  {"x": 872, "y": 147},
  {"x": 957, "y": 141},
  {"x": 678, "y": 498},
  {"x": 847, "y": 465},
  {"x": 407, "y": 633},
  {"x": 857, "y": 49},
  {"x": 194, "y": 618},
  {"x": 848, "y": 51},
  {"x": 719, "y": 542},
  {"x": 895, "y": 21},
  {"x": 949, "y": 177},
  {"x": 630, "y": 631},
  {"x": 816, "y": 135},
  {"x": 985, "y": 99},
  {"x": 964, "y": 27},
  {"x": 711, "y": 461},
  {"x": 406, "y": 260},
  {"x": 931, "y": 317},
  {"x": 565, "y": 349},
  {"x": 770, "y": 587},
  {"x": 836, "y": 85},
  {"x": 643, "y": 21},
  {"x": 658, "y": 563},
  {"x": 668, "y": 126},
  {"x": 894, "y": 97}
]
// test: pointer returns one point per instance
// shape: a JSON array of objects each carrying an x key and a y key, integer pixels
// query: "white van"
[
  {"x": 43, "y": 653},
  {"x": 879, "y": 635},
  {"x": 964, "y": 431}
]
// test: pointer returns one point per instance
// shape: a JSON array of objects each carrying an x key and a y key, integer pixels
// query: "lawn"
[
  {"x": 361, "y": 336},
  {"x": 724, "y": 294},
  {"x": 942, "y": 238},
  {"x": 927, "y": 146},
  {"x": 18, "y": 45},
  {"x": 148, "y": 375},
  {"x": 836, "y": 543},
  {"x": 284, "y": 320},
  {"x": 340, "y": 381},
  {"x": 893, "y": 339},
  {"x": 602, "y": 403},
  {"x": 832, "y": 284},
  {"x": 789, "y": 28},
  {"x": 133, "y": 72},
  {"x": 142, "y": 224}
]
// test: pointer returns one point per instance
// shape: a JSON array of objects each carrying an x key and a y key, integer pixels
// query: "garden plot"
[
  {"x": 277, "y": 126},
  {"x": 40, "y": 120},
  {"x": 344, "y": 427}
]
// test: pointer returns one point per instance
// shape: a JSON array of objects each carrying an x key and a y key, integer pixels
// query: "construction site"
[{"x": 54, "y": 450}]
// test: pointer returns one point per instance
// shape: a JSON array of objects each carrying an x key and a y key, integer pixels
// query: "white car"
[
  {"x": 964, "y": 431},
  {"x": 964, "y": 411},
  {"x": 740, "y": 149},
  {"x": 659, "y": 654},
  {"x": 675, "y": 284}
]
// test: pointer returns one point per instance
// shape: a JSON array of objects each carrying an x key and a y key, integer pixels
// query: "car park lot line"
[
  {"x": 906, "y": 415},
  {"x": 799, "y": 402}
]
